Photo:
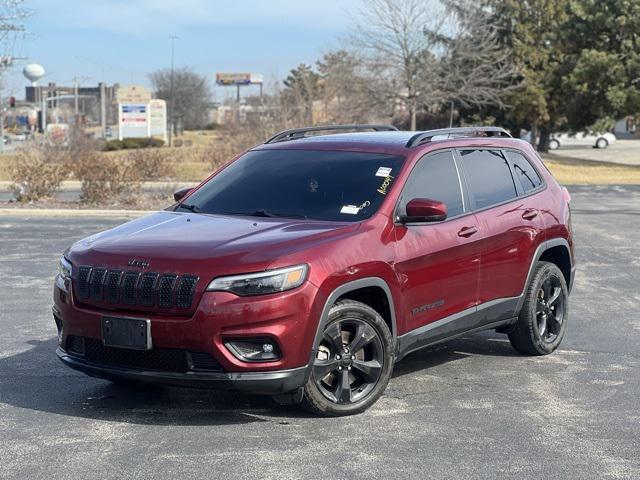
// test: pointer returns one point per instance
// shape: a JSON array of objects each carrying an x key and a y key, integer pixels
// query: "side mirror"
[
  {"x": 180, "y": 194},
  {"x": 424, "y": 210}
]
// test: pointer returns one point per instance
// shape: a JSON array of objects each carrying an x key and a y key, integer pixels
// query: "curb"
[{"x": 62, "y": 212}]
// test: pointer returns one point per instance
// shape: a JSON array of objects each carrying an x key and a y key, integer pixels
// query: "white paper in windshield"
[
  {"x": 383, "y": 172},
  {"x": 350, "y": 209}
]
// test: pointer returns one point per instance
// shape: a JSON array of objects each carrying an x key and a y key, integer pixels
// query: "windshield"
[{"x": 317, "y": 185}]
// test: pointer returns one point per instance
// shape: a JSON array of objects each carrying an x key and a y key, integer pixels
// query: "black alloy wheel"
[
  {"x": 349, "y": 360},
  {"x": 550, "y": 309},
  {"x": 542, "y": 320},
  {"x": 353, "y": 361}
]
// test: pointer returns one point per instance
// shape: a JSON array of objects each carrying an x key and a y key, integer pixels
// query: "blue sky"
[{"x": 130, "y": 37}]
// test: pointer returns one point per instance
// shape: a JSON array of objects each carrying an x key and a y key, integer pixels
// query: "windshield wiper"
[
  {"x": 189, "y": 207},
  {"x": 265, "y": 213}
]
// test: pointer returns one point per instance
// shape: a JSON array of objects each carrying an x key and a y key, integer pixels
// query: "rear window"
[
  {"x": 318, "y": 185},
  {"x": 489, "y": 177},
  {"x": 524, "y": 172}
]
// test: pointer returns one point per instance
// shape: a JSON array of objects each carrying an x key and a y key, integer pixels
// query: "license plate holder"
[{"x": 130, "y": 333}]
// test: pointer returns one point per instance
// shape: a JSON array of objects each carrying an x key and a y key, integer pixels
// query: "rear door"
[
  {"x": 511, "y": 225},
  {"x": 438, "y": 263}
]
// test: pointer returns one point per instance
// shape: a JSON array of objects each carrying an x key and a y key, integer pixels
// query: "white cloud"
[{"x": 162, "y": 16}]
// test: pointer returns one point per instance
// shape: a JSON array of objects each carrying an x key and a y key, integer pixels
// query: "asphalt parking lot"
[{"x": 469, "y": 408}]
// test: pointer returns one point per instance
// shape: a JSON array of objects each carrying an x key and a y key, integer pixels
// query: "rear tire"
[
  {"x": 543, "y": 318},
  {"x": 353, "y": 363},
  {"x": 602, "y": 143},
  {"x": 554, "y": 144}
]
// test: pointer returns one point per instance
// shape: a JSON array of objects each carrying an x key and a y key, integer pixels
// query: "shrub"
[
  {"x": 37, "y": 173},
  {"x": 108, "y": 178},
  {"x": 133, "y": 143},
  {"x": 112, "y": 145},
  {"x": 148, "y": 165}
]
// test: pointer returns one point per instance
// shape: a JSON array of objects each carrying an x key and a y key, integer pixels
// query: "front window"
[{"x": 316, "y": 185}]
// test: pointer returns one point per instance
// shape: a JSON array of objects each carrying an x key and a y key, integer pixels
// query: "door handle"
[
  {"x": 530, "y": 214},
  {"x": 467, "y": 231}
]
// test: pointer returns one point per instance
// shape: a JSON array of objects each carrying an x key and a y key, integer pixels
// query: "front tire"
[
  {"x": 543, "y": 318},
  {"x": 554, "y": 144},
  {"x": 353, "y": 363},
  {"x": 602, "y": 143}
]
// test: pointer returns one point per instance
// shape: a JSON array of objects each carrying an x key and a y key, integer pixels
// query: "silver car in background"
[{"x": 587, "y": 139}]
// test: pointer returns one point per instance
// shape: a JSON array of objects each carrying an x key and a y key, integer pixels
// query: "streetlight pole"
[{"x": 171, "y": 100}]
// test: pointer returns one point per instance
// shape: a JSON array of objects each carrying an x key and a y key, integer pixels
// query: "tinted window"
[
  {"x": 524, "y": 171},
  {"x": 488, "y": 176},
  {"x": 435, "y": 177},
  {"x": 319, "y": 185}
]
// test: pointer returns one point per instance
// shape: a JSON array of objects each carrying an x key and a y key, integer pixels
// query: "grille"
[
  {"x": 204, "y": 361},
  {"x": 147, "y": 295},
  {"x": 133, "y": 288},
  {"x": 83, "y": 282},
  {"x": 129, "y": 288},
  {"x": 96, "y": 283},
  {"x": 112, "y": 284},
  {"x": 186, "y": 289},
  {"x": 165, "y": 290},
  {"x": 75, "y": 345},
  {"x": 159, "y": 359}
]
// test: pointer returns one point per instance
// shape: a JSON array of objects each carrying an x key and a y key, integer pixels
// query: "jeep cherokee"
[{"x": 307, "y": 266}]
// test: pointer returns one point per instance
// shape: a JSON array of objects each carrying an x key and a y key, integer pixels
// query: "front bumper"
[{"x": 265, "y": 383}]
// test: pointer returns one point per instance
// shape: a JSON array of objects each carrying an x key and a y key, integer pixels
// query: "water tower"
[{"x": 33, "y": 72}]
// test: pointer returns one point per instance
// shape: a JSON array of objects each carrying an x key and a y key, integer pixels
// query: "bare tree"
[
  {"x": 423, "y": 53},
  {"x": 390, "y": 36},
  {"x": 474, "y": 69},
  {"x": 191, "y": 92},
  {"x": 12, "y": 12}
]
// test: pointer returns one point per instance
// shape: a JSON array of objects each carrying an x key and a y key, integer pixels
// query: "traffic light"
[{"x": 12, "y": 102}]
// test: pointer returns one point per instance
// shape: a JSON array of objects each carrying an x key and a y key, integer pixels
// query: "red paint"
[{"x": 450, "y": 265}]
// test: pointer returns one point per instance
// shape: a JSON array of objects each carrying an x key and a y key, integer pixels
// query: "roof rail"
[
  {"x": 426, "y": 137},
  {"x": 295, "y": 133}
]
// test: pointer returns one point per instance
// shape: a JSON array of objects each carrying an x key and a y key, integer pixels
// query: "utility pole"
[
  {"x": 103, "y": 110},
  {"x": 5, "y": 62},
  {"x": 75, "y": 98},
  {"x": 171, "y": 99}
]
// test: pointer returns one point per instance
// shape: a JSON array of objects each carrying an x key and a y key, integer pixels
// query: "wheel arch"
[
  {"x": 556, "y": 251},
  {"x": 356, "y": 290}
]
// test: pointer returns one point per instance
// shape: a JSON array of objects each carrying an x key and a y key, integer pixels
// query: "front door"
[{"x": 438, "y": 263}]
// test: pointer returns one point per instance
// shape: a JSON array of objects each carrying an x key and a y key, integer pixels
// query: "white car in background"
[{"x": 589, "y": 139}]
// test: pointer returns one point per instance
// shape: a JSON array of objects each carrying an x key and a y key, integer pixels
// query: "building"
[{"x": 71, "y": 104}]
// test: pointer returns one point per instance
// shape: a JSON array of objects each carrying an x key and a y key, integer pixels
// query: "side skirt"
[{"x": 494, "y": 314}]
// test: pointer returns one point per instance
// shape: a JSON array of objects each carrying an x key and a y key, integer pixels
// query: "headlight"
[
  {"x": 64, "y": 268},
  {"x": 63, "y": 279},
  {"x": 271, "y": 281}
]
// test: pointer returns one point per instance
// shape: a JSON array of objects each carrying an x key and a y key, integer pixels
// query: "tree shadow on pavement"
[
  {"x": 487, "y": 343},
  {"x": 36, "y": 380}
]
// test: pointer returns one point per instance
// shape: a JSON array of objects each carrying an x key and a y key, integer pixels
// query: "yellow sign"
[
  {"x": 133, "y": 94},
  {"x": 238, "y": 78}
]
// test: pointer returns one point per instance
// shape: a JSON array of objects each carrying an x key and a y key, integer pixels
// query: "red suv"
[{"x": 309, "y": 265}]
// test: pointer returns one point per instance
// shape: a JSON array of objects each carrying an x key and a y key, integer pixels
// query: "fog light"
[{"x": 254, "y": 350}]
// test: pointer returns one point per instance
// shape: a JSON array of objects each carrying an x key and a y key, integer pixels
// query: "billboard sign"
[
  {"x": 133, "y": 94},
  {"x": 133, "y": 120},
  {"x": 158, "y": 119},
  {"x": 225, "y": 79}
]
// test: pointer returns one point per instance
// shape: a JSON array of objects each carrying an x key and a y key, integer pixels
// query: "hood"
[{"x": 203, "y": 246}]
